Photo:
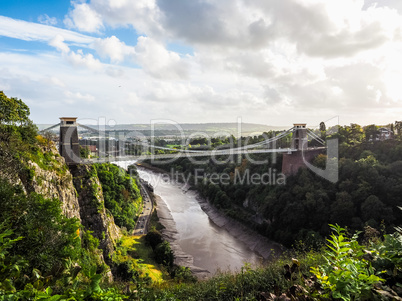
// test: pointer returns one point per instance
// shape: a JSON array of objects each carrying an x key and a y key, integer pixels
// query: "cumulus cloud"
[
  {"x": 332, "y": 28},
  {"x": 81, "y": 60},
  {"x": 318, "y": 28},
  {"x": 83, "y": 18},
  {"x": 142, "y": 15},
  {"x": 78, "y": 58},
  {"x": 58, "y": 43},
  {"x": 261, "y": 59},
  {"x": 226, "y": 23},
  {"x": 113, "y": 48},
  {"x": 159, "y": 62}
]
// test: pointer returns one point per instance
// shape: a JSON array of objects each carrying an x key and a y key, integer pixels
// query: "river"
[{"x": 213, "y": 248}]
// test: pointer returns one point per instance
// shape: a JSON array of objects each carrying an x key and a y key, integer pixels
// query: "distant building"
[
  {"x": 92, "y": 145},
  {"x": 384, "y": 134},
  {"x": 93, "y": 149}
]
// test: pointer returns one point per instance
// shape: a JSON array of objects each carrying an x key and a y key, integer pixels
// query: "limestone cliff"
[
  {"x": 78, "y": 189},
  {"x": 47, "y": 174},
  {"x": 94, "y": 215}
]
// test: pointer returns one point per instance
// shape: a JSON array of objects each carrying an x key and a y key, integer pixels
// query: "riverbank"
[
  {"x": 170, "y": 234},
  {"x": 253, "y": 240}
]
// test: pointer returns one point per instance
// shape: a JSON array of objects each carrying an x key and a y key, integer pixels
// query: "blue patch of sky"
[
  {"x": 180, "y": 49},
  {"x": 16, "y": 45},
  {"x": 127, "y": 34},
  {"x": 30, "y": 10}
]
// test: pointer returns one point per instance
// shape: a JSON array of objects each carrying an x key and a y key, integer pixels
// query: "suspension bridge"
[{"x": 299, "y": 133}]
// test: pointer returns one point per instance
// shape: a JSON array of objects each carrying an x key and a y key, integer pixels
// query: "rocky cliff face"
[
  {"x": 94, "y": 215},
  {"x": 48, "y": 175},
  {"x": 78, "y": 190}
]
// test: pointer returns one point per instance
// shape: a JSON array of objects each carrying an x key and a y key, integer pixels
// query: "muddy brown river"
[{"x": 213, "y": 248}]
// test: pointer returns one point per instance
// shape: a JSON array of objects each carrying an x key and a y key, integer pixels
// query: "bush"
[
  {"x": 153, "y": 238},
  {"x": 164, "y": 254},
  {"x": 49, "y": 236},
  {"x": 347, "y": 274}
]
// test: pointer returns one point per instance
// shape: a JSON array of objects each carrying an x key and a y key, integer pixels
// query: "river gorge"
[{"x": 206, "y": 244}]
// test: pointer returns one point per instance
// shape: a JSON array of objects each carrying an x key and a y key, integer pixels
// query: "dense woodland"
[{"x": 46, "y": 256}]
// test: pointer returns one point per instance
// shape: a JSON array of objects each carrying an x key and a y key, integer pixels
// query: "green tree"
[
  {"x": 372, "y": 209},
  {"x": 356, "y": 133},
  {"x": 398, "y": 128},
  {"x": 49, "y": 236},
  {"x": 164, "y": 254},
  {"x": 323, "y": 129},
  {"x": 85, "y": 152},
  {"x": 154, "y": 238},
  {"x": 371, "y": 132},
  {"x": 343, "y": 209},
  {"x": 17, "y": 134},
  {"x": 13, "y": 111}
]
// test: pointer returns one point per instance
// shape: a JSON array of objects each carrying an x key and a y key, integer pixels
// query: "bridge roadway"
[{"x": 192, "y": 154}]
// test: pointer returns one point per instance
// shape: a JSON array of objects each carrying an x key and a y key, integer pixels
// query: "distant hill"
[{"x": 222, "y": 129}]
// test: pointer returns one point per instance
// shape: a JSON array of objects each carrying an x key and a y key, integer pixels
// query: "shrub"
[{"x": 347, "y": 274}]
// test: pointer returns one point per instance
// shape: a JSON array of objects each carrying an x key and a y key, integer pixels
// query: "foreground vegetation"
[{"x": 345, "y": 270}]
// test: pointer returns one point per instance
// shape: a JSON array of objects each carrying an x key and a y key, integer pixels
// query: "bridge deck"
[{"x": 192, "y": 154}]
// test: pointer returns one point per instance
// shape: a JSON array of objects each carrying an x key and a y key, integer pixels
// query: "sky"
[{"x": 260, "y": 61}]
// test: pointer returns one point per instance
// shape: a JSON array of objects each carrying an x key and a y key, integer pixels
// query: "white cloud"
[
  {"x": 29, "y": 31},
  {"x": 81, "y": 60},
  {"x": 143, "y": 15},
  {"x": 58, "y": 43},
  {"x": 113, "y": 48},
  {"x": 54, "y": 81},
  {"x": 83, "y": 18},
  {"x": 159, "y": 62},
  {"x": 265, "y": 60},
  {"x": 45, "y": 19},
  {"x": 74, "y": 97},
  {"x": 318, "y": 28}
]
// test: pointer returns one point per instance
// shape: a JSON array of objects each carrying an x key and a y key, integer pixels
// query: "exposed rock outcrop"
[
  {"x": 78, "y": 189},
  {"x": 94, "y": 215},
  {"x": 48, "y": 175}
]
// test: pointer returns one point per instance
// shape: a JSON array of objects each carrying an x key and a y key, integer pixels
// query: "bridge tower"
[
  {"x": 293, "y": 161},
  {"x": 299, "y": 139},
  {"x": 69, "y": 147}
]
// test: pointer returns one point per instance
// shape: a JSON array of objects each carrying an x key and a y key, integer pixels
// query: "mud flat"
[
  {"x": 255, "y": 241},
  {"x": 171, "y": 235}
]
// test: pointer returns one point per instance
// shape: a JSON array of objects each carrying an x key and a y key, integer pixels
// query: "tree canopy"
[{"x": 13, "y": 111}]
